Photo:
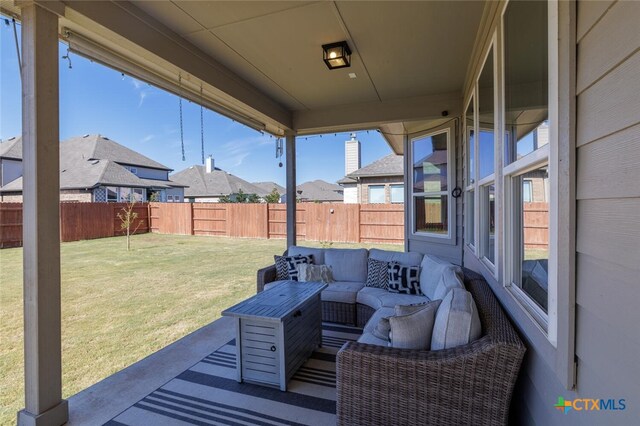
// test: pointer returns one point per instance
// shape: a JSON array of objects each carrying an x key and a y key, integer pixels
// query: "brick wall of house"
[
  {"x": 387, "y": 181},
  {"x": 76, "y": 195},
  {"x": 67, "y": 195},
  {"x": 11, "y": 198}
]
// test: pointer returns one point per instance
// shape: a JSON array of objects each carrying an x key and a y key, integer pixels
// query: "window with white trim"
[
  {"x": 397, "y": 193},
  {"x": 376, "y": 194},
  {"x": 526, "y": 155},
  {"x": 486, "y": 177},
  {"x": 431, "y": 179},
  {"x": 125, "y": 195},
  {"x": 138, "y": 194},
  {"x": 112, "y": 194},
  {"x": 470, "y": 176}
]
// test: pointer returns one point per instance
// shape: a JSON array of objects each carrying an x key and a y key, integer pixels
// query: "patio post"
[
  {"x": 41, "y": 219},
  {"x": 291, "y": 190}
]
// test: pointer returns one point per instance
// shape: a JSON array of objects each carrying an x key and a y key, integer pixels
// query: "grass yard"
[{"x": 119, "y": 306}]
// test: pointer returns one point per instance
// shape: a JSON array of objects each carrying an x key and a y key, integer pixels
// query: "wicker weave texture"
[
  {"x": 363, "y": 313},
  {"x": 470, "y": 385},
  {"x": 344, "y": 313}
]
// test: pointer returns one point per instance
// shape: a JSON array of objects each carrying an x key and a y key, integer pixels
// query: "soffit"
[
  {"x": 414, "y": 48},
  {"x": 401, "y": 49}
]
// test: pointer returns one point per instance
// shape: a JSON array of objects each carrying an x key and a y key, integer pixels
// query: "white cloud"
[
  {"x": 236, "y": 151},
  {"x": 142, "y": 89},
  {"x": 147, "y": 138}
]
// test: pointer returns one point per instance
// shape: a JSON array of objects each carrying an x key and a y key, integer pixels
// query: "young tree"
[
  {"x": 241, "y": 197},
  {"x": 273, "y": 197},
  {"x": 252, "y": 198},
  {"x": 127, "y": 220}
]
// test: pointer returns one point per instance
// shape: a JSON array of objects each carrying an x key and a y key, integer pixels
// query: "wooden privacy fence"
[
  {"x": 78, "y": 221},
  {"x": 354, "y": 223},
  {"x": 382, "y": 223},
  {"x": 536, "y": 225}
]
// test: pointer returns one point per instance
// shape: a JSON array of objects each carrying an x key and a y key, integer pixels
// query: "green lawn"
[{"x": 119, "y": 306}]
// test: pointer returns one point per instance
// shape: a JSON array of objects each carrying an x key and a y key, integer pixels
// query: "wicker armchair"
[{"x": 470, "y": 385}]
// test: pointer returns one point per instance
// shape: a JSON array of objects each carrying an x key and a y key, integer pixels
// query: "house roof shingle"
[
  {"x": 218, "y": 183},
  {"x": 90, "y": 161},
  {"x": 269, "y": 186},
  {"x": 98, "y": 147},
  {"x": 390, "y": 165},
  {"x": 319, "y": 190},
  {"x": 11, "y": 148}
]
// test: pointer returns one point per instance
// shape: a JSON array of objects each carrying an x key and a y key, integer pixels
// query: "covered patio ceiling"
[{"x": 261, "y": 62}]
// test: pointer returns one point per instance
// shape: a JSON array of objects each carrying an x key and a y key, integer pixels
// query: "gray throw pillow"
[
  {"x": 413, "y": 331},
  {"x": 382, "y": 329},
  {"x": 457, "y": 322}
]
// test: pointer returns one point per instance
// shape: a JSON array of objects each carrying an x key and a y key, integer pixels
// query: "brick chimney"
[
  {"x": 209, "y": 164},
  {"x": 351, "y": 155}
]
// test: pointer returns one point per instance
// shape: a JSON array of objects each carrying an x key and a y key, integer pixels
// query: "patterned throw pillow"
[
  {"x": 377, "y": 273},
  {"x": 294, "y": 261},
  {"x": 282, "y": 269},
  {"x": 404, "y": 279},
  {"x": 315, "y": 273}
]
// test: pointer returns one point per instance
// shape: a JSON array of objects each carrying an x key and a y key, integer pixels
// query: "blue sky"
[{"x": 96, "y": 99}]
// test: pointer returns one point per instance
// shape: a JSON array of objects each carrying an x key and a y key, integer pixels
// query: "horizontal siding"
[
  {"x": 615, "y": 158},
  {"x": 617, "y": 305},
  {"x": 610, "y": 42},
  {"x": 609, "y": 229},
  {"x": 608, "y": 208},
  {"x": 595, "y": 343},
  {"x": 611, "y": 104},
  {"x": 589, "y": 12}
]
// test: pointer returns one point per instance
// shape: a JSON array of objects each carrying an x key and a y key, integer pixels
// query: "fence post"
[{"x": 192, "y": 219}]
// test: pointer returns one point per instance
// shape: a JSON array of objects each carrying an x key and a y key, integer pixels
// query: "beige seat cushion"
[
  {"x": 341, "y": 291},
  {"x": 370, "y": 296},
  {"x": 450, "y": 279},
  {"x": 347, "y": 264},
  {"x": 390, "y": 300},
  {"x": 431, "y": 270}
]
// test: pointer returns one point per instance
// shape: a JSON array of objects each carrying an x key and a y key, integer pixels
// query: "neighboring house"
[
  {"x": 93, "y": 168},
  {"x": 270, "y": 186},
  {"x": 379, "y": 182},
  {"x": 320, "y": 191},
  {"x": 207, "y": 184}
]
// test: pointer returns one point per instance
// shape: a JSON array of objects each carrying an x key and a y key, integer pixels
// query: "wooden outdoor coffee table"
[{"x": 276, "y": 332}]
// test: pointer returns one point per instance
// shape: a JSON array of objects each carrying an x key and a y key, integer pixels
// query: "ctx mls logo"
[{"x": 590, "y": 404}]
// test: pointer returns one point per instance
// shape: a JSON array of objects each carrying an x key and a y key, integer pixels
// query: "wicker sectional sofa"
[{"x": 379, "y": 385}]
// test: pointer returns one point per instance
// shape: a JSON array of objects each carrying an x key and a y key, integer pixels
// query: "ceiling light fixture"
[{"x": 336, "y": 55}]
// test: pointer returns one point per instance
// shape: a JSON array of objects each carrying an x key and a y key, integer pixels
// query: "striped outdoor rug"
[{"x": 208, "y": 393}]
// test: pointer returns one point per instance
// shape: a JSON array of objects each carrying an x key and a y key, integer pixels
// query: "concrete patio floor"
[{"x": 106, "y": 399}]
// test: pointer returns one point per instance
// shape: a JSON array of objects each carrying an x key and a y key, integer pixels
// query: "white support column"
[
  {"x": 41, "y": 219},
  {"x": 291, "y": 190}
]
